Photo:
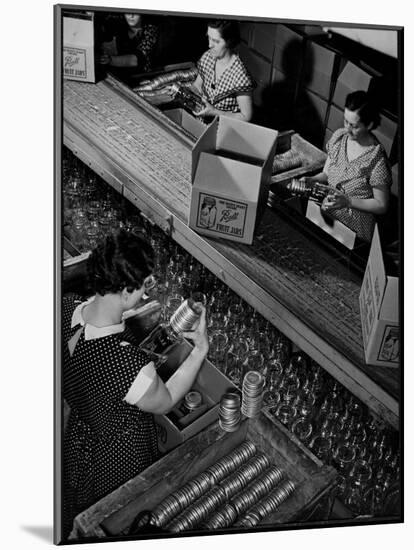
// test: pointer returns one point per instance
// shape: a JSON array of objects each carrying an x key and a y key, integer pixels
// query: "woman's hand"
[
  {"x": 207, "y": 110},
  {"x": 199, "y": 335},
  {"x": 105, "y": 59},
  {"x": 336, "y": 201}
]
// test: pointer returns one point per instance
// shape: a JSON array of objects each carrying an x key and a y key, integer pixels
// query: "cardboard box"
[
  {"x": 78, "y": 48},
  {"x": 193, "y": 125},
  {"x": 378, "y": 301},
  {"x": 288, "y": 50},
  {"x": 231, "y": 170},
  {"x": 178, "y": 425},
  {"x": 352, "y": 78},
  {"x": 333, "y": 227},
  {"x": 336, "y": 118},
  {"x": 263, "y": 39},
  {"x": 318, "y": 69},
  {"x": 259, "y": 68}
]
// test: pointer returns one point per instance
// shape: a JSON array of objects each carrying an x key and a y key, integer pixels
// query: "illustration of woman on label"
[
  {"x": 391, "y": 348},
  {"x": 208, "y": 213}
]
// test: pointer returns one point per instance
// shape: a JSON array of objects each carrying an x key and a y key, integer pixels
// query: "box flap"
[
  {"x": 245, "y": 139},
  {"x": 333, "y": 227},
  {"x": 377, "y": 269},
  {"x": 389, "y": 306},
  {"x": 78, "y": 31},
  {"x": 206, "y": 142},
  {"x": 227, "y": 177}
]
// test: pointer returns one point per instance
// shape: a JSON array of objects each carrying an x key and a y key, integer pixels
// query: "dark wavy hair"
[
  {"x": 122, "y": 260},
  {"x": 229, "y": 31},
  {"x": 367, "y": 109}
]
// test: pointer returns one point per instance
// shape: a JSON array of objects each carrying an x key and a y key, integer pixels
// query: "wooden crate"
[{"x": 113, "y": 515}]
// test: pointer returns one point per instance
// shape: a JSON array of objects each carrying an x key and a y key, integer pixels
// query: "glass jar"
[{"x": 303, "y": 430}]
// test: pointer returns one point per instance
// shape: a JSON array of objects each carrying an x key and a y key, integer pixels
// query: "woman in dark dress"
[
  {"x": 111, "y": 386},
  {"x": 132, "y": 45}
]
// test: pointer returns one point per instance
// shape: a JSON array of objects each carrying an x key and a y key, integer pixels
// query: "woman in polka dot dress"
[
  {"x": 223, "y": 80},
  {"x": 357, "y": 166},
  {"x": 110, "y": 385}
]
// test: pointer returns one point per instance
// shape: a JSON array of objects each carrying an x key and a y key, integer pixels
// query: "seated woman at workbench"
[
  {"x": 109, "y": 383},
  {"x": 357, "y": 166},
  {"x": 133, "y": 43},
  {"x": 223, "y": 80}
]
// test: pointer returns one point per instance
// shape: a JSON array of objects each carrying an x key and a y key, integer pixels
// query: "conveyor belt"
[{"x": 285, "y": 268}]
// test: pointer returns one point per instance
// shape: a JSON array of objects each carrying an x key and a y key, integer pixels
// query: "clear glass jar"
[{"x": 303, "y": 430}]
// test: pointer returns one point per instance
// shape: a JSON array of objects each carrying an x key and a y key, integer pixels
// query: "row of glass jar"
[{"x": 305, "y": 398}]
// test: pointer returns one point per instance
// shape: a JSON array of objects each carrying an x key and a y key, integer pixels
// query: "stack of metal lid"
[
  {"x": 180, "y": 499},
  {"x": 267, "y": 505},
  {"x": 225, "y": 517},
  {"x": 229, "y": 412},
  {"x": 245, "y": 474},
  {"x": 198, "y": 511},
  {"x": 184, "y": 317},
  {"x": 256, "y": 490},
  {"x": 193, "y": 400},
  {"x": 252, "y": 393},
  {"x": 229, "y": 463}
]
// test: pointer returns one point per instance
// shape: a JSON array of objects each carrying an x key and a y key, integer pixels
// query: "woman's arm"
[
  {"x": 245, "y": 105},
  {"x": 126, "y": 60},
  {"x": 377, "y": 205},
  {"x": 160, "y": 398},
  {"x": 322, "y": 177}
]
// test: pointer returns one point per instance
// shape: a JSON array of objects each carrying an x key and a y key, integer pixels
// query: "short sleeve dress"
[
  {"x": 107, "y": 440},
  {"x": 357, "y": 178},
  {"x": 234, "y": 81}
]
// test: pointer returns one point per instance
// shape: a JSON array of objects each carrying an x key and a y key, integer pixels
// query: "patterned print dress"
[
  {"x": 142, "y": 45},
  {"x": 107, "y": 440},
  {"x": 234, "y": 81},
  {"x": 357, "y": 178}
]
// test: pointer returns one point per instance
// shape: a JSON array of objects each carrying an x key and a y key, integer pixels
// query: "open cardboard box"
[
  {"x": 231, "y": 170},
  {"x": 335, "y": 228},
  {"x": 378, "y": 301},
  {"x": 188, "y": 122},
  {"x": 78, "y": 48},
  {"x": 178, "y": 425}
]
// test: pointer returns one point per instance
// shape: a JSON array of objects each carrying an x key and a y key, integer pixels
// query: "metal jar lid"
[{"x": 193, "y": 400}]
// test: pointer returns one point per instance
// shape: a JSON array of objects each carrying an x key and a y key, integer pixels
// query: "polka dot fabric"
[
  {"x": 357, "y": 178},
  {"x": 107, "y": 441},
  {"x": 234, "y": 81}
]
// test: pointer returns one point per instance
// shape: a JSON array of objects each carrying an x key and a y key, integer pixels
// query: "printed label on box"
[
  {"x": 389, "y": 350},
  {"x": 221, "y": 215},
  {"x": 74, "y": 62}
]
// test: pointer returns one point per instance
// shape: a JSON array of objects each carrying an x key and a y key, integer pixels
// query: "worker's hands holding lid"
[
  {"x": 199, "y": 335},
  {"x": 336, "y": 201},
  {"x": 207, "y": 110}
]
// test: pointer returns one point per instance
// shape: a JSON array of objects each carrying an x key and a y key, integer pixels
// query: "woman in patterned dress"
[
  {"x": 133, "y": 45},
  {"x": 223, "y": 81},
  {"x": 111, "y": 386},
  {"x": 357, "y": 166}
]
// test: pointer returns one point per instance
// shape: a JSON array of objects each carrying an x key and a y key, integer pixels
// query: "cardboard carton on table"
[
  {"x": 378, "y": 302},
  {"x": 231, "y": 170}
]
